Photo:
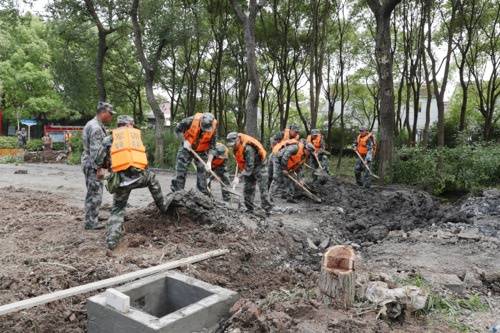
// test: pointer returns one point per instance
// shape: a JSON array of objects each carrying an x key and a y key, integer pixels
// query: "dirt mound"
[{"x": 370, "y": 214}]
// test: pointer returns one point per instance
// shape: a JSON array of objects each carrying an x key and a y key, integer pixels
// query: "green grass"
[
  {"x": 449, "y": 308},
  {"x": 346, "y": 169},
  {"x": 10, "y": 160}
]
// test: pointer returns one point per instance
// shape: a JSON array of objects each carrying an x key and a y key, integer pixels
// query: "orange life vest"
[
  {"x": 127, "y": 150},
  {"x": 316, "y": 142},
  {"x": 239, "y": 150},
  {"x": 282, "y": 144},
  {"x": 219, "y": 161},
  {"x": 295, "y": 161},
  {"x": 199, "y": 143},
  {"x": 362, "y": 144}
]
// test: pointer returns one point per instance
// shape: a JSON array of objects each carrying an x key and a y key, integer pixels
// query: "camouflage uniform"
[
  {"x": 275, "y": 139},
  {"x": 322, "y": 157},
  {"x": 220, "y": 171},
  {"x": 255, "y": 173},
  {"x": 146, "y": 178},
  {"x": 283, "y": 185},
  {"x": 184, "y": 158},
  {"x": 92, "y": 137},
  {"x": 363, "y": 177}
]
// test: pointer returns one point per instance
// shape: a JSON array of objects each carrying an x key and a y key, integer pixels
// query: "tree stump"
[{"x": 337, "y": 279}]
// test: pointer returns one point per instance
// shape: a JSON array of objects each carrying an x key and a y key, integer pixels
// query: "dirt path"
[{"x": 273, "y": 263}]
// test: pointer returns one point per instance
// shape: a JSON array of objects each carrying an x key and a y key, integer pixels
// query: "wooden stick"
[
  {"x": 366, "y": 165},
  {"x": 228, "y": 189},
  {"x": 60, "y": 294},
  {"x": 309, "y": 193}
]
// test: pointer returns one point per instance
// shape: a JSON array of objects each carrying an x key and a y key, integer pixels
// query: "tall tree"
[
  {"x": 248, "y": 23},
  {"x": 150, "y": 64},
  {"x": 382, "y": 10}
]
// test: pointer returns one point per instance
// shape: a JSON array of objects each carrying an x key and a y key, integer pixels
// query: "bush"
[
  {"x": 8, "y": 142},
  {"x": 34, "y": 145},
  {"x": 170, "y": 148},
  {"x": 463, "y": 168},
  {"x": 58, "y": 146},
  {"x": 76, "y": 149}
]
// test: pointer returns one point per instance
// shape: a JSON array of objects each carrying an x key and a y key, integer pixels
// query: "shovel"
[
  {"x": 309, "y": 193},
  {"x": 366, "y": 165},
  {"x": 227, "y": 188}
]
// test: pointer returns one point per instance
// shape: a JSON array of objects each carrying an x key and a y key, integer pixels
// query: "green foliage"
[
  {"x": 26, "y": 80},
  {"x": 170, "y": 148},
  {"x": 10, "y": 159},
  {"x": 463, "y": 168},
  {"x": 8, "y": 142},
  {"x": 76, "y": 149},
  {"x": 34, "y": 145}
]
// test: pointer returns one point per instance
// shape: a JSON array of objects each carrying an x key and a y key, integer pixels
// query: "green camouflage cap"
[{"x": 124, "y": 119}]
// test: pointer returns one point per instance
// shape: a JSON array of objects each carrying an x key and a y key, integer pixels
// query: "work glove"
[
  {"x": 354, "y": 146},
  {"x": 208, "y": 167},
  {"x": 285, "y": 173},
  {"x": 186, "y": 144}
]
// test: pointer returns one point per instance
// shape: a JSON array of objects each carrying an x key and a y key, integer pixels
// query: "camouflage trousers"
[
  {"x": 281, "y": 185},
  {"x": 222, "y": 174},
  {"x": 270, "y": 170},
  {"x": 250, "y": 182},
  {"x": 120, "y": 197},
  {"x": 363, "y": 177},
  {"x": 323, "y": 160},
  {"x": 93, "y": 198},
  {"x": 184, "y": 158}
]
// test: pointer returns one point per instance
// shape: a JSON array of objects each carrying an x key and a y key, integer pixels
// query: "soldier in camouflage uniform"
[
  {"x": 250, "y": 158},
  {"x": 219, "y": 164},
  {"x": 283, "y": 185},
  {"x": 291, "y": 132},
  {"x": 92, "y": 136},
  {"x": 129, "y": 179},
  {"x": 317, "y": 140},
  {"x": 199, "y": 134}
]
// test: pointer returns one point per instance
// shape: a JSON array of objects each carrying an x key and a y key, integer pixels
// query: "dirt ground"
[{"x": 401, "y": 235}]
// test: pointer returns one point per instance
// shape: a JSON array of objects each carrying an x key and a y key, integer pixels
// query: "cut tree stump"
[{"x": 337, "y": 279}]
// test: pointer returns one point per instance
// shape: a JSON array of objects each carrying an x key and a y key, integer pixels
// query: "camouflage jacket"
[
  {"x": 185, "y": 124},
  {"x": 92, "y": 137}
]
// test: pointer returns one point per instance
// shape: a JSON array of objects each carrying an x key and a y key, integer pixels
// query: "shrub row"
[{"x": 448, "y": 170}]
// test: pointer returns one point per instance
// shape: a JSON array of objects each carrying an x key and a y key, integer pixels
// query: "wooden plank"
[{"x": 58, "y": 295}]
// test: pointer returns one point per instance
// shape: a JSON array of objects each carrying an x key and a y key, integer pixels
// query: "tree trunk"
[
  {"x": 384, "y": 68},
  {"x": 337, "y": 280},
  {"x": 99, "y": 68},
  {"x": 248, "y": 23},
  {"x": 149, "y": 77}
]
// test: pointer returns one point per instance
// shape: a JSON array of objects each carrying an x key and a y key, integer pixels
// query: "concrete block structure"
[{"x": 168, "y": 302}]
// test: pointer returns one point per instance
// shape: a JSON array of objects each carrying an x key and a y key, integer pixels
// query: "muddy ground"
[{"x": 400, "y": 234}]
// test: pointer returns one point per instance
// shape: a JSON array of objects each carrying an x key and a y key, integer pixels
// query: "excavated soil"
[{"x": 272, "y": 264}]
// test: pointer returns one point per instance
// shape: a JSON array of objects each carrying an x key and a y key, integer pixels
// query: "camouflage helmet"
[
  {"x": 231, "y": 138},
  {"x": 220, "y": 149},
  {"x": 294, "y": 127},
  {"x": 363, "y": 129},
  {"x": 206, "y": 121},
  {"x": 104, "y": 106},
  {"x": 124, "y": 119},
  {"x": 315, "y": 131}
]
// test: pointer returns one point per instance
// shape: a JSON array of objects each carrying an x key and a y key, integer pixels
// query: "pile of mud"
[{"x": 370, "y": 214}]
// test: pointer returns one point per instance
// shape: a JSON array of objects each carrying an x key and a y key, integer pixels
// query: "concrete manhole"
[{"x": 167, "y": 302}]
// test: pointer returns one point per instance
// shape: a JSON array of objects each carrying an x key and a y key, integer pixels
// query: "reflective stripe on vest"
[
  {"x": 282, "y": 144},
  {"x": 199, "y": 143},
  {"x": 316, "y": 142},
  {"x": 239, "y": 150},
  {"x": 127, "y": 150},
  {"x": 362, "y": 143},
  {"x": 298, "y": 159}
]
